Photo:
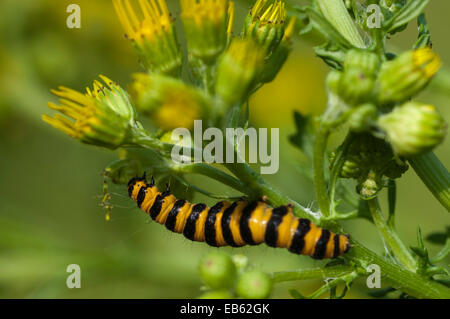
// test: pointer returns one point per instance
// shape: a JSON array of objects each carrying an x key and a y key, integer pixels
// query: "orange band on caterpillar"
[{"x": 237, "y": 224}]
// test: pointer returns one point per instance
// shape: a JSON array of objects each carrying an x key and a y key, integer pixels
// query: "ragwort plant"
[{"x": 371, "y": 92}]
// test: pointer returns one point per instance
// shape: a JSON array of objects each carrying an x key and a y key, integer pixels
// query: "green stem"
[
  {"x": 434, "y": 175},
  {"x": 214, "y": 173},
  {"x": 390, "y": 236},
  {"x": 320, "y": 184},
  {"x": 312, "y": 273},
  {"x": 413, "y": 284},
  {"x": 336, "y": 12}
]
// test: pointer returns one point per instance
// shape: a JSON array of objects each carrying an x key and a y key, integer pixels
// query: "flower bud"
[
  {"x": 364, "y": 61},
  {"x": 167, "y": 101},
  {"x": 369, "y": 187},
  {"x": 265, "y": 24},
  {"x": 254, "y": 285},
  {"x": 217, "y": 270},
  {"x": 238, "y": 69},
  {"x": 355, "y": 86},
  {"x": 413, "y": 128},
  {"x": 406, "y": 75},
  {"x": 279, "y": 56},
  {"x": 153, "y": 37},
  {"x": 103, "y": 116},
  {"x": 206, "y": 24}
]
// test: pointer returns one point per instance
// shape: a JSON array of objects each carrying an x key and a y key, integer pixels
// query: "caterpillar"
[{"x": 237, "y": 224}]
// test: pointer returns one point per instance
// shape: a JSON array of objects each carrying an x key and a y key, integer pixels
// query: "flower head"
[
  {"x": 102, "y": 116},
  {"x": 153, "y": 35},
  {"x": 407, "y": 75},
  {"x": 169, "y": 102},
  {"x": 266, "y": 23},
  {"x": 207, "y": 24}
]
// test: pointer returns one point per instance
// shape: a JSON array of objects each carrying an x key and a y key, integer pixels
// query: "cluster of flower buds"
[
  {"x": 226, "y": 68},
  {"x": 369, "y": 161},
  {"x": 375, "y": 98},
  {"x": 102, "y": 116}
]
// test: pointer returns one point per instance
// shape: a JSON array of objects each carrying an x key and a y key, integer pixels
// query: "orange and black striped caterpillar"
[{"x": 237, "y": 224}]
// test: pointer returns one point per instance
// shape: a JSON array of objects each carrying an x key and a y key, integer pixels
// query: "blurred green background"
[{"x": 50, "y": 185}]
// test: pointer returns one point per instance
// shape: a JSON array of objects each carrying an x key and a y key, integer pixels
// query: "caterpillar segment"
[{"x": 237, "y": 224}]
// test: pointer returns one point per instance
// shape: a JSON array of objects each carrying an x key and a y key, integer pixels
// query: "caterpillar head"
[{"x": 135, "y": 184}]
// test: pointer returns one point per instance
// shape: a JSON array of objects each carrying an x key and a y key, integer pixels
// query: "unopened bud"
[
  {"x": 413, "y": 128},
  {"x": 407, "y": 75}
]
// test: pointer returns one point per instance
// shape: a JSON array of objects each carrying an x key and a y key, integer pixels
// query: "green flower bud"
[
  {"x": 369, "y": 187},
  {"x": 238, "y": 70},
  {"x": 254, "y": 285},
  {"x": 217, "y": 270},
  {"x": 364, "y": 61},
  {"x": 169, "y": 102},
  {"x": 153, "y": 37},
  {"x": 413, "y": 128},
  {"x": 216, "y": 294},
  {"x": 362, "y": 118},
  {"x": 406, "y": 75},
  {"x": 355, "y": 86},
  {"x": 103, "y": 116},
  {"x": 206, "y": 24},
  {"x": 266, "y": 24}
]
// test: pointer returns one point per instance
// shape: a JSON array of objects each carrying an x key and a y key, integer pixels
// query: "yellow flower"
[
  {"x": 266, "y": 24},
  {"x": 153, "y": 35},
  {"x": 207, "y": 24},
  {"x": 102, "y": 116}
]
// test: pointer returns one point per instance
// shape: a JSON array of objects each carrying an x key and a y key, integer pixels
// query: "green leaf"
[
  {"x": 322, "y": 25},
  {"x": 331, "y": 54},
  {"x": 424, "y": 38},
  {"x": 409, "y": 12}
]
